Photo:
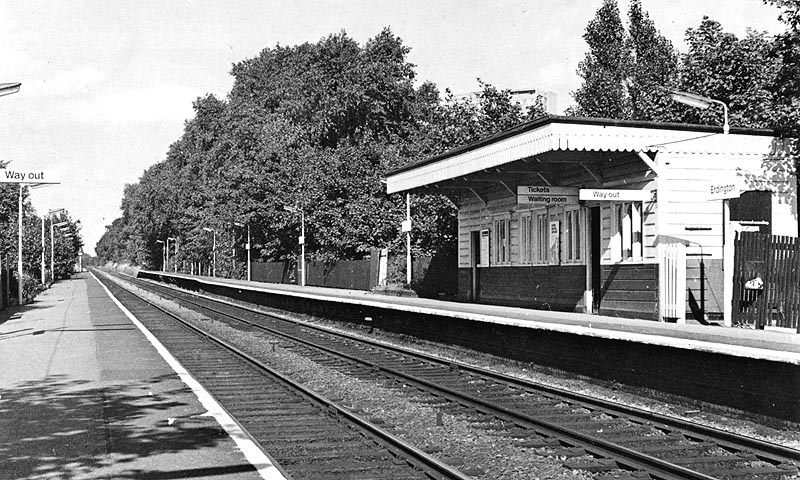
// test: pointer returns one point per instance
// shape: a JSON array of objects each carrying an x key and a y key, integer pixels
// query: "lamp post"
[
  {"x": 8, "y": 89},
  {"x": 49, "y": 216},
  {"x": 213, "y": 251},
  {"x": 162, "y": 253},
  {"x": 301, "y": 241},
  {"x": 19, "y": 246},
  {"x": 166, "y": 254},
  {"x": 701, "y": 102},
  {"x": 246, "y": 247},
  {"x": 407, "y": 229},
  {"x": 41, "y": 267},
  {"x": 52, "y": 246}
]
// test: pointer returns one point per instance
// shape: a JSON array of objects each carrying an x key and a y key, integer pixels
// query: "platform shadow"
[{"x": 59, "y": 428}]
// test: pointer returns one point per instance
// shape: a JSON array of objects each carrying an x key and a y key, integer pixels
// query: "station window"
[
  {"x": 541, "y": 248},
  {"x": 502, "y": 241},
  {"x": 628, "y": 222},
  {"x": 534, "y": 231},
  {"x": 573, "y": 234},
  {"x": 526, "y": 238}
]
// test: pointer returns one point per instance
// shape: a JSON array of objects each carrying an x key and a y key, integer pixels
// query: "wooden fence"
[{"x": 766, "y": 281}]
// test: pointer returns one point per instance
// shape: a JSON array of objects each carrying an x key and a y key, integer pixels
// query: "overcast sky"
[{"x": 107, "y": 85}]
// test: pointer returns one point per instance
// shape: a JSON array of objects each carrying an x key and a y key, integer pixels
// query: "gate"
[
  {"x": 766, "y": 281},
  {"x": 673, "y": 282}
]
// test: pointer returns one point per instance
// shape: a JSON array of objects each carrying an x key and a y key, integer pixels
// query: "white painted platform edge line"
[{"x": 251, "y": 451}]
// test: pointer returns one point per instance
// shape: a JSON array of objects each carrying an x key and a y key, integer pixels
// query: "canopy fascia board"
[{"x": 546, "y": 138}]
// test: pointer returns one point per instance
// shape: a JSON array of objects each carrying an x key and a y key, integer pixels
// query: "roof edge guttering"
[{"x": 556, "y": 119}]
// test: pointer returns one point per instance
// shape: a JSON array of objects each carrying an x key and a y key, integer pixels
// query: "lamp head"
[
  {"x": 9, "y": 88},
  {"x": 691, "y": 99}
]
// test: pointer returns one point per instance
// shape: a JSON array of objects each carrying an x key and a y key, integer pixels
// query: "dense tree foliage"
[
  {"x": 314, "y": 127},
  {"x": 606, "y": 66},
  {"x": 628, "y": 74}
]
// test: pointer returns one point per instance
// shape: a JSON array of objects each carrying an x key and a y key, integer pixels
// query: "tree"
[
  {"x": 316, "y": 126},
  {"x": 606, "y": 66},
  {"x": 737, "y": 72},
  {"x": 654, "y": 69},
  {"x": 786, "y": 84},
  {"x": 626, "y": 73}
]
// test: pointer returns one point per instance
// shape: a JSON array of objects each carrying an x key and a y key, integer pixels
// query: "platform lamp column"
[
  {"x": 41, "y": 268},
  {"x": 49, "y": 216},
  {"x": 246, "y": 247},
  {"x": 52, "y": 246},
  {"x": 699, "y": 101},
  {"x": 406, "y": 227},
  {"x": 161, "y": 242},
  {"x": 166, "y": 252},
  {"x": 301, "y": 241},
  {"x": 213, "y": 251},
  {"x": 8, "y": 89},
  {"x": 19, "y": 247}
]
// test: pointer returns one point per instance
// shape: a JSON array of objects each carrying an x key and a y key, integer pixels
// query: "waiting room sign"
[{"x": 549, "y": 196}]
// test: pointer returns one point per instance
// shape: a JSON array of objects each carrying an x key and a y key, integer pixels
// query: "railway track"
[
  {"x": 595, "y": 435},
  {"x": 305, "y": 434}
]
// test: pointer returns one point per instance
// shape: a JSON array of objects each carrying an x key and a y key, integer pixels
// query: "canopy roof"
[{"x": 555, "y": 150}]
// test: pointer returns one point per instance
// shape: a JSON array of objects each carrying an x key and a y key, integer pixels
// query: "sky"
[{"x": 107, "y": 85}]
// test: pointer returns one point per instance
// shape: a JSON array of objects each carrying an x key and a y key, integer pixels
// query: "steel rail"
[
  {"x": 434, "y": 464},
  {"x": 632, "y": 459},
  {"x": 723, "y": 437}
]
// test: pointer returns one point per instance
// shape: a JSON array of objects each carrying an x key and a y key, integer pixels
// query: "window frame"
[
  {"x": 628, "y": 222},
  {"x": 501, "y": 243},
  {"x": 574, "y": 234}
]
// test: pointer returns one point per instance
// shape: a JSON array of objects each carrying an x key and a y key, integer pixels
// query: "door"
[
  {"x": 594, "y": 260},
  {"x": 475, "y": 259}
]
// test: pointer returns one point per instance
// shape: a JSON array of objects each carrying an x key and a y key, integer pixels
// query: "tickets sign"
[{"x": 543, "y": 195}]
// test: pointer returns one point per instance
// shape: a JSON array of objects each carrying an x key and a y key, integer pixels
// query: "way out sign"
[{"x": 29, "y": 176}]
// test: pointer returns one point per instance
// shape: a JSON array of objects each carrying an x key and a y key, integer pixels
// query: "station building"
[{"x": 623, "y": 218}]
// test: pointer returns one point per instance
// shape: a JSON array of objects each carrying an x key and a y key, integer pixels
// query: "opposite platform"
[
  {"x": 757, "y": 344},
  {"x": 752, "y": 370},
  {"x": 84, "y": 395}
]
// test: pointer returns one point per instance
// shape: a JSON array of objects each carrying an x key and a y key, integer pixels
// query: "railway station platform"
[
  {"x": 753, "y": 370},
  {"x": 84, "y": 394}
]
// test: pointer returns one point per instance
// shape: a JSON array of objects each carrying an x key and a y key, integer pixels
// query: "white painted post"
[
  {"x": 19, "y": 247},
  {"x": 408, "y": 239}
]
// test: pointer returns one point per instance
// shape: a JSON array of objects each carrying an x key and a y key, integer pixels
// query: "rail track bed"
[
  {"x": 306, "y": 435},
  {"x": 599, "y": 438}
]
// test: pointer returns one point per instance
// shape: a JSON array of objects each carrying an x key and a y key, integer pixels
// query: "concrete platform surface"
[{"x": 85, "y": 395}]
